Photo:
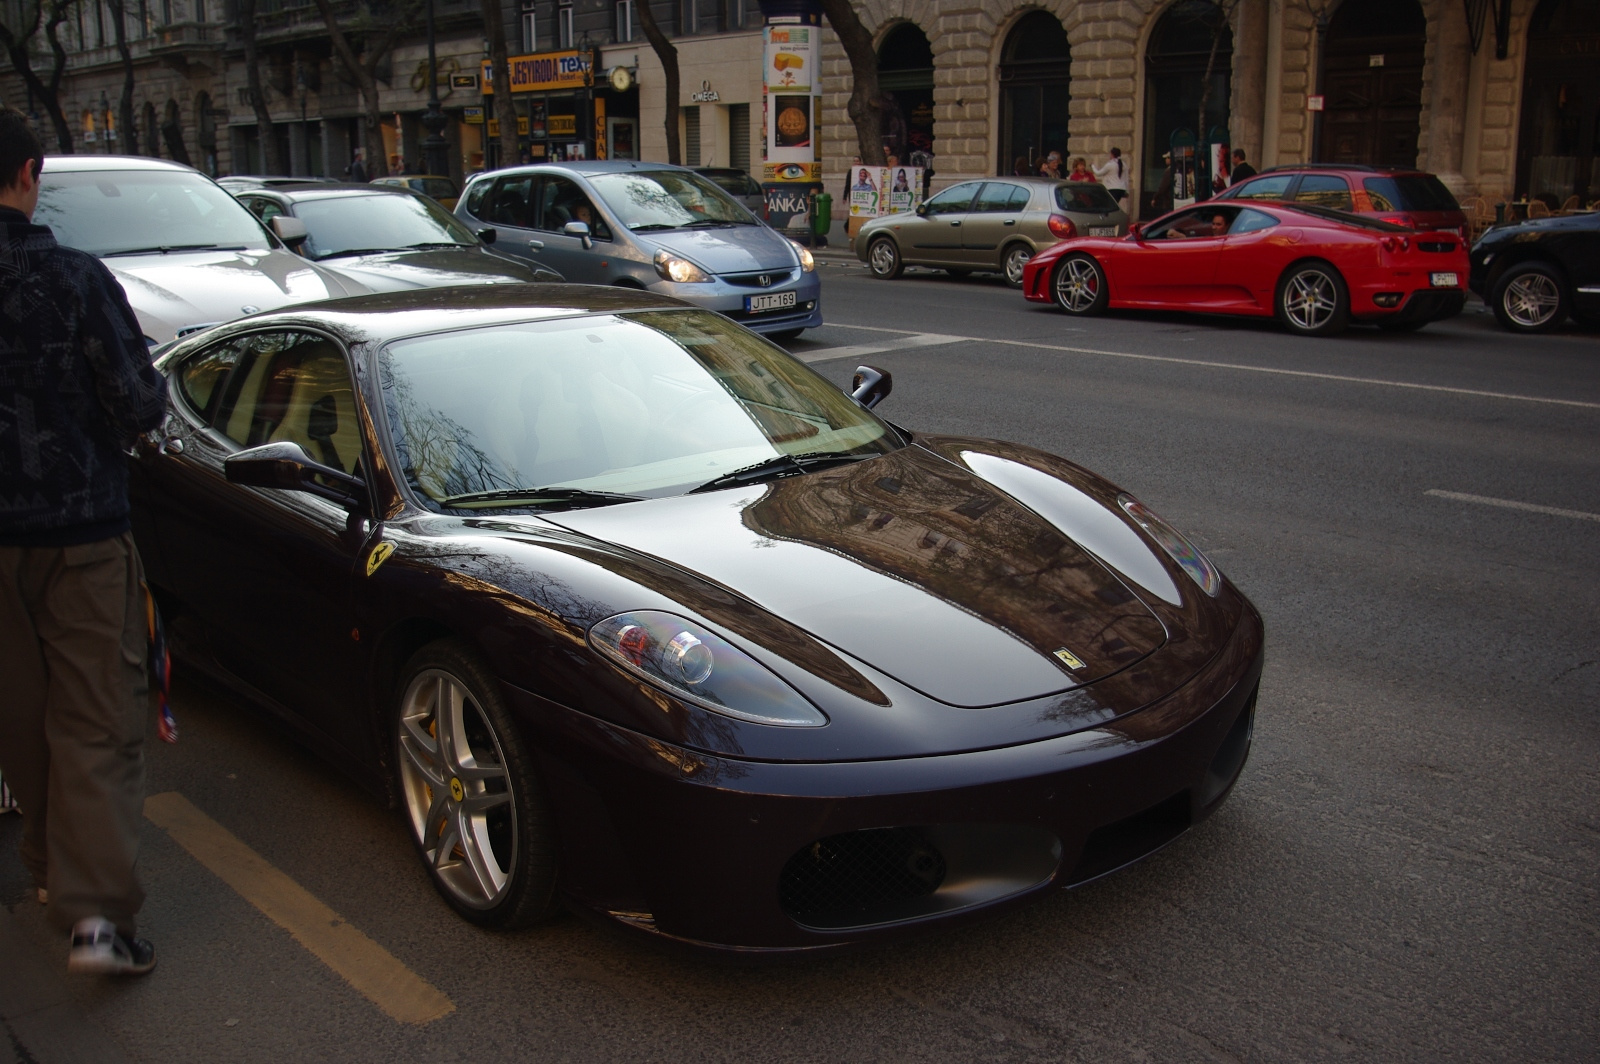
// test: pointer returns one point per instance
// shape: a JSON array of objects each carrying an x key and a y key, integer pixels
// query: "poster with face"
[
  {"x": 864, "y": 186},
  {"x": 900, "y": 193}
]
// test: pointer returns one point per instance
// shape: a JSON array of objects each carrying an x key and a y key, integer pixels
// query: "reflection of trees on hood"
[{"x": 437, "y": 453}]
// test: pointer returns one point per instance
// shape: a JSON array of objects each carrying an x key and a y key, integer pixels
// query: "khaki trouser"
[{"x": 73, "y": 711}]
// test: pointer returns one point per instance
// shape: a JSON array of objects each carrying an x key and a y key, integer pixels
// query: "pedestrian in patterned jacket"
[{"x": 76, "y": 389}]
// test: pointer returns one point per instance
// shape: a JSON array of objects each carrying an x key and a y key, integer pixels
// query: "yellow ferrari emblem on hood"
[
  {"x": 379, "y": 555},
  {"x": 1068, "y": 658}
]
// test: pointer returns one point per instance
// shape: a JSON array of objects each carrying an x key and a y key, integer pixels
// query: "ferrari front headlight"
[
  {"x": 692, "y": 663},
  {"x": 1175, "y": 543}
]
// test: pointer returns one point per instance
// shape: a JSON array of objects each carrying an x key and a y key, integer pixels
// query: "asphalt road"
[{"x": 1408, "y": 869}]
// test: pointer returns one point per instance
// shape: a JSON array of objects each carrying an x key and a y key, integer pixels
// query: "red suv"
[{"x": 1405, "y": 197}]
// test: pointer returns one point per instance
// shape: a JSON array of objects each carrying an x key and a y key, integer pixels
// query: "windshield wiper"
[
  {"x": 165, "y": 248},
  {"x": 651, "y": 228},
  {"x": 429, "y": 246},
  {"x": 783, "y": 465},
  {"x": 706, "y": 222},
  {"x": 347, "y": 252},
  {"x": 571, "y": 496}
]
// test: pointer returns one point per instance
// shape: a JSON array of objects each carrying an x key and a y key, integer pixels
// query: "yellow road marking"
[{"x": 368, "y": 967}]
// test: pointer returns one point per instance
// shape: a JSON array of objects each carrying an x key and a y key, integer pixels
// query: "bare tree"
[
  {"x": 45, "y": 16},
  {"x": 866, "y": 102},
  {"x": 376, "y": 44},
  {"x": 1218, "y": 18},
  {"x": 669, "y": 66},
  {"x": 505, "y": 110},
  {"x": 128, "y": 131},
  {"x": 271, "y": 161}
]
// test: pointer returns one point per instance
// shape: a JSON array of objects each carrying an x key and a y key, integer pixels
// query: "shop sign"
[
  {"x": 879, "y": 190},
  {"x": 1313, "y": 103},
  {"x": 543, "y": 72},
  {"x": 464, "y": 81},
  {"x": 472, "y": 116},
  {"x": 522, "y": 126},
  {"x": 706, "y": 94},
  {"x": 563, "y": 125}
]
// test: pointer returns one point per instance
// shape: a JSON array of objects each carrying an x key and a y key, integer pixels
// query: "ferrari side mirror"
[
  {"x": 871, "y": 385},
  {"x": 285, "y": 464},
  {"x": 1136, "y": 231}
]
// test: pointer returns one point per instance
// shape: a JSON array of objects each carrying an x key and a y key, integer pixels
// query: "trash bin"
[{"x": 822, "y": 217}]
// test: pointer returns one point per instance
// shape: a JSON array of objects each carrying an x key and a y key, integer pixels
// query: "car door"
[
  {"x": 994, "y": 219},
  {"x": 1175, "y": 263},
  {"x": 934, "y": 236},
  {"x": 1250, "y": 261},
  {"x": 508, "y": 206},
  {"x": 557, "y": 201},
  {"x": 265, "y": 575}
]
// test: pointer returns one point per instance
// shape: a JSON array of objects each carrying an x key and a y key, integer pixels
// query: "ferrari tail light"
[
  {"x": 1396, "y": 243},
  {"x": 694, "y": 664},
  {"x": 1061, "y": 227}
]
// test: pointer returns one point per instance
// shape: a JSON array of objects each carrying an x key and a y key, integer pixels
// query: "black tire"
[
  {"x": 1312, "y": 300},
  {"x": 1079, "y": 285},
  {"x": 1012, "y": 260},
  {"x": 883, "y": 259},
  {"x": 786, "y": 336},
  {"x": 514, "y": 821},
  {"x": 1530, "y": 297}
]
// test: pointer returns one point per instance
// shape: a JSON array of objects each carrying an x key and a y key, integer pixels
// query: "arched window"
[
  {"x": 1372, "y": 83},
  {"x": 1035, "y": 92},
  {"x": 1191, "y": 38},
  {"x": 905, "y": 77},
  {"x": 1558, "y": 151}
]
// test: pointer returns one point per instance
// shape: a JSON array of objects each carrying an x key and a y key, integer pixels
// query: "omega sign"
[{"x": 706, "y": 94}]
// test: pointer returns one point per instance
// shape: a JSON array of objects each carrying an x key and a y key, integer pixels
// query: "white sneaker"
[{"x": 97, "y": 949}]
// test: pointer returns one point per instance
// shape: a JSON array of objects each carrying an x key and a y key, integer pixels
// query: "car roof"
[
  {"x": 306, "y": 191},
  {"x": 1312, "y": 168},
  {"x": 87, "y": 163},
  {"x": 583, "y": 168}
]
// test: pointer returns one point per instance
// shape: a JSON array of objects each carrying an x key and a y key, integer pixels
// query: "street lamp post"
[{"x": 435, "y": 149}]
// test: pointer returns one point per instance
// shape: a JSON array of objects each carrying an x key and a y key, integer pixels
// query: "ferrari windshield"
[
  {"x": 124, "y": 212},
  {"x": 668, "y": 199},
  {"x": 591, "y": 409}
]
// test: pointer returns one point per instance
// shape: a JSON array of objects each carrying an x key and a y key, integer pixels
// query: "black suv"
[{"x": 1534, "y": 273}]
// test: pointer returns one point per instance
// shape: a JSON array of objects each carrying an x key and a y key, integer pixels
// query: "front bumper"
[
  {"x": 727, "y": 296},
  {"x": 738, "y": 856}
]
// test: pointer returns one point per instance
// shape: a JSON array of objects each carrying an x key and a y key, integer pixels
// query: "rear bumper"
[
  {"x": 740, "y": 857},
  {"x": 1435, "y": 304}
]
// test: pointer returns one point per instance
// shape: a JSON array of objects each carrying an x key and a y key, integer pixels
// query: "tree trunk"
[
  {"x": 128, "y": 133},
  {"x": 866, "y": 102},
  {"x": 505, "y": 108},
  {"x": 17, "y": 49},
  {"x": 271, "y": 163},
  {"x": 669, "y": 66},
  {"x": 364, "y": 71}
]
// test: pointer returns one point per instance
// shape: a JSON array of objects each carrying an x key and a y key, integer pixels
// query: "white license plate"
[
  {"x": 1445, "y": 280},
  {"x": 771, "y": 301},
  {"x": 1102, "y": 230}
]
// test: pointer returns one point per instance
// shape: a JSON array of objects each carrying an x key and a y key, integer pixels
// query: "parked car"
[
  {"x": 738, "y": 184},
  {"x": 241, "y": 182},
  {"x": 1534, "y": 273},
  {"x": 628, "y": 608},
  {"x": 1400, "y": 196},
  {"x": 652, "y": 226},
  {"x": 442, "y": 189},
  {"x": 389, "y": 238},
  {"x": 1315, "y": 268},
  {"x": 988, "y": 225},
  {"x": 186, "y": 252}
]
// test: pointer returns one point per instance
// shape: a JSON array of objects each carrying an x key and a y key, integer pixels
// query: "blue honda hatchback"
[{"x": 653, "y": 226}]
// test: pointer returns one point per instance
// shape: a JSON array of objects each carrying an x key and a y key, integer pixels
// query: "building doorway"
[
  {"x": 1035, "y": 93},
  {"x": 1372, "y": 83},
  {"x": 1191, "y": 38},
  {"x": 905, "y": 77},
  {"x": 1560, "y": 139}
]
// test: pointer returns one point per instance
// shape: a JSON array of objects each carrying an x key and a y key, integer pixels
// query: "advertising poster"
[
  {"x": 793, "y": 122},
  {"x": 865, "y": 185},
  {"x": 790, "y": 58},
  {"x": 905, "y": 188},
  {"x": 807, "y": 173}
]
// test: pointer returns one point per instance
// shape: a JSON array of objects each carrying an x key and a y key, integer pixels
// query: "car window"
[
  {"x": 1263, "y": 188},
  {"x": 668, "y": 199},
  {"x": 649, "y": 403},
  {"x": 262, "y": 208},
  {"x": 1324, "y": 190},
  {"x": 562, "y": 201},
  {"x": 292, "y": 386},
  {"x": 1197, "y": 222},
  {"x": 510, "y": 203},
  {"x": 998, "y": 196},
  {"x": 953, "y": 200},
  {"x": 475, "y": 196},
  {"x": 1020, "y": 195},
  {"x": 199, "y": 376},
  {"x": 120, "y": 212},
  {"x": 377, "y": 221},
  {"x": 1409, "y": 192},
  {"x": 1085, "y": 198},
  {"x": 437, "y": 187},
  {"x": 1250, "y": 221}
]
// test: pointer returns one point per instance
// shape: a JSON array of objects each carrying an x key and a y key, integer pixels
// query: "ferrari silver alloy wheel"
[
  {"x": 1077, "y": 285},
  {"x": 1531, "y": 299},
  {"x": 456, "y": 789},
  {"x": 1016, "y": 259},
  {"x": 883, "y": 258},
  {"x": 1310, "y": 299}
]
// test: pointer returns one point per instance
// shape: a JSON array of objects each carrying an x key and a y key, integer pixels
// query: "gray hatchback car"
[
  {"x": 653, "y": 226},
  {"x": 995, "y": 225}
]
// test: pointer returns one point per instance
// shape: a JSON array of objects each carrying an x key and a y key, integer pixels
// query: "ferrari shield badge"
[
  {"x": 1063, "y": 655},
  {"x": 379, "y": 555}
]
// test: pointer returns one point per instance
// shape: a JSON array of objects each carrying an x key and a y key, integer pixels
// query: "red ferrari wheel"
[
  {"x": 1080, "y": 285},
  {"x": 1313, "y": 301}
]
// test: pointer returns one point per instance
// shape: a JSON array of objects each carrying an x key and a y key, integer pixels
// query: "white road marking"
[
  {"x": 1219, "y": 365},
  {"x": 1512, "y": 504},
  {"x": 828, "y": 354}
]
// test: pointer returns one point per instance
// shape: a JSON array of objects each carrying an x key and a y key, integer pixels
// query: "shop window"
[
  {"x": 905, "y": 76},
  {"x": 691, "y": 136},
  {"x": 624, "y": 28},
  {"x": 1191, "y": 37}
]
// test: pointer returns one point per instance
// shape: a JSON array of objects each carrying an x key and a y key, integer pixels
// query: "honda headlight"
[
  {"x": 808, "y": 261},
  {"x": 674, "y": 268},
  {"x": 1175, "y": 543},
  {"x": 697, "y": 665}
]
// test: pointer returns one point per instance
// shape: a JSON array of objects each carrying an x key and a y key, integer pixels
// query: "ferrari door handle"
[
  {"x": 536, "y": 245},
  {"x": 1010, "y": 221}
]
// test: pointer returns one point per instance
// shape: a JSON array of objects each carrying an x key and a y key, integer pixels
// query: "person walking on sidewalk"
[
  {"x": 76, "y": 388},
  {"x": 1114, "y": 175}
]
